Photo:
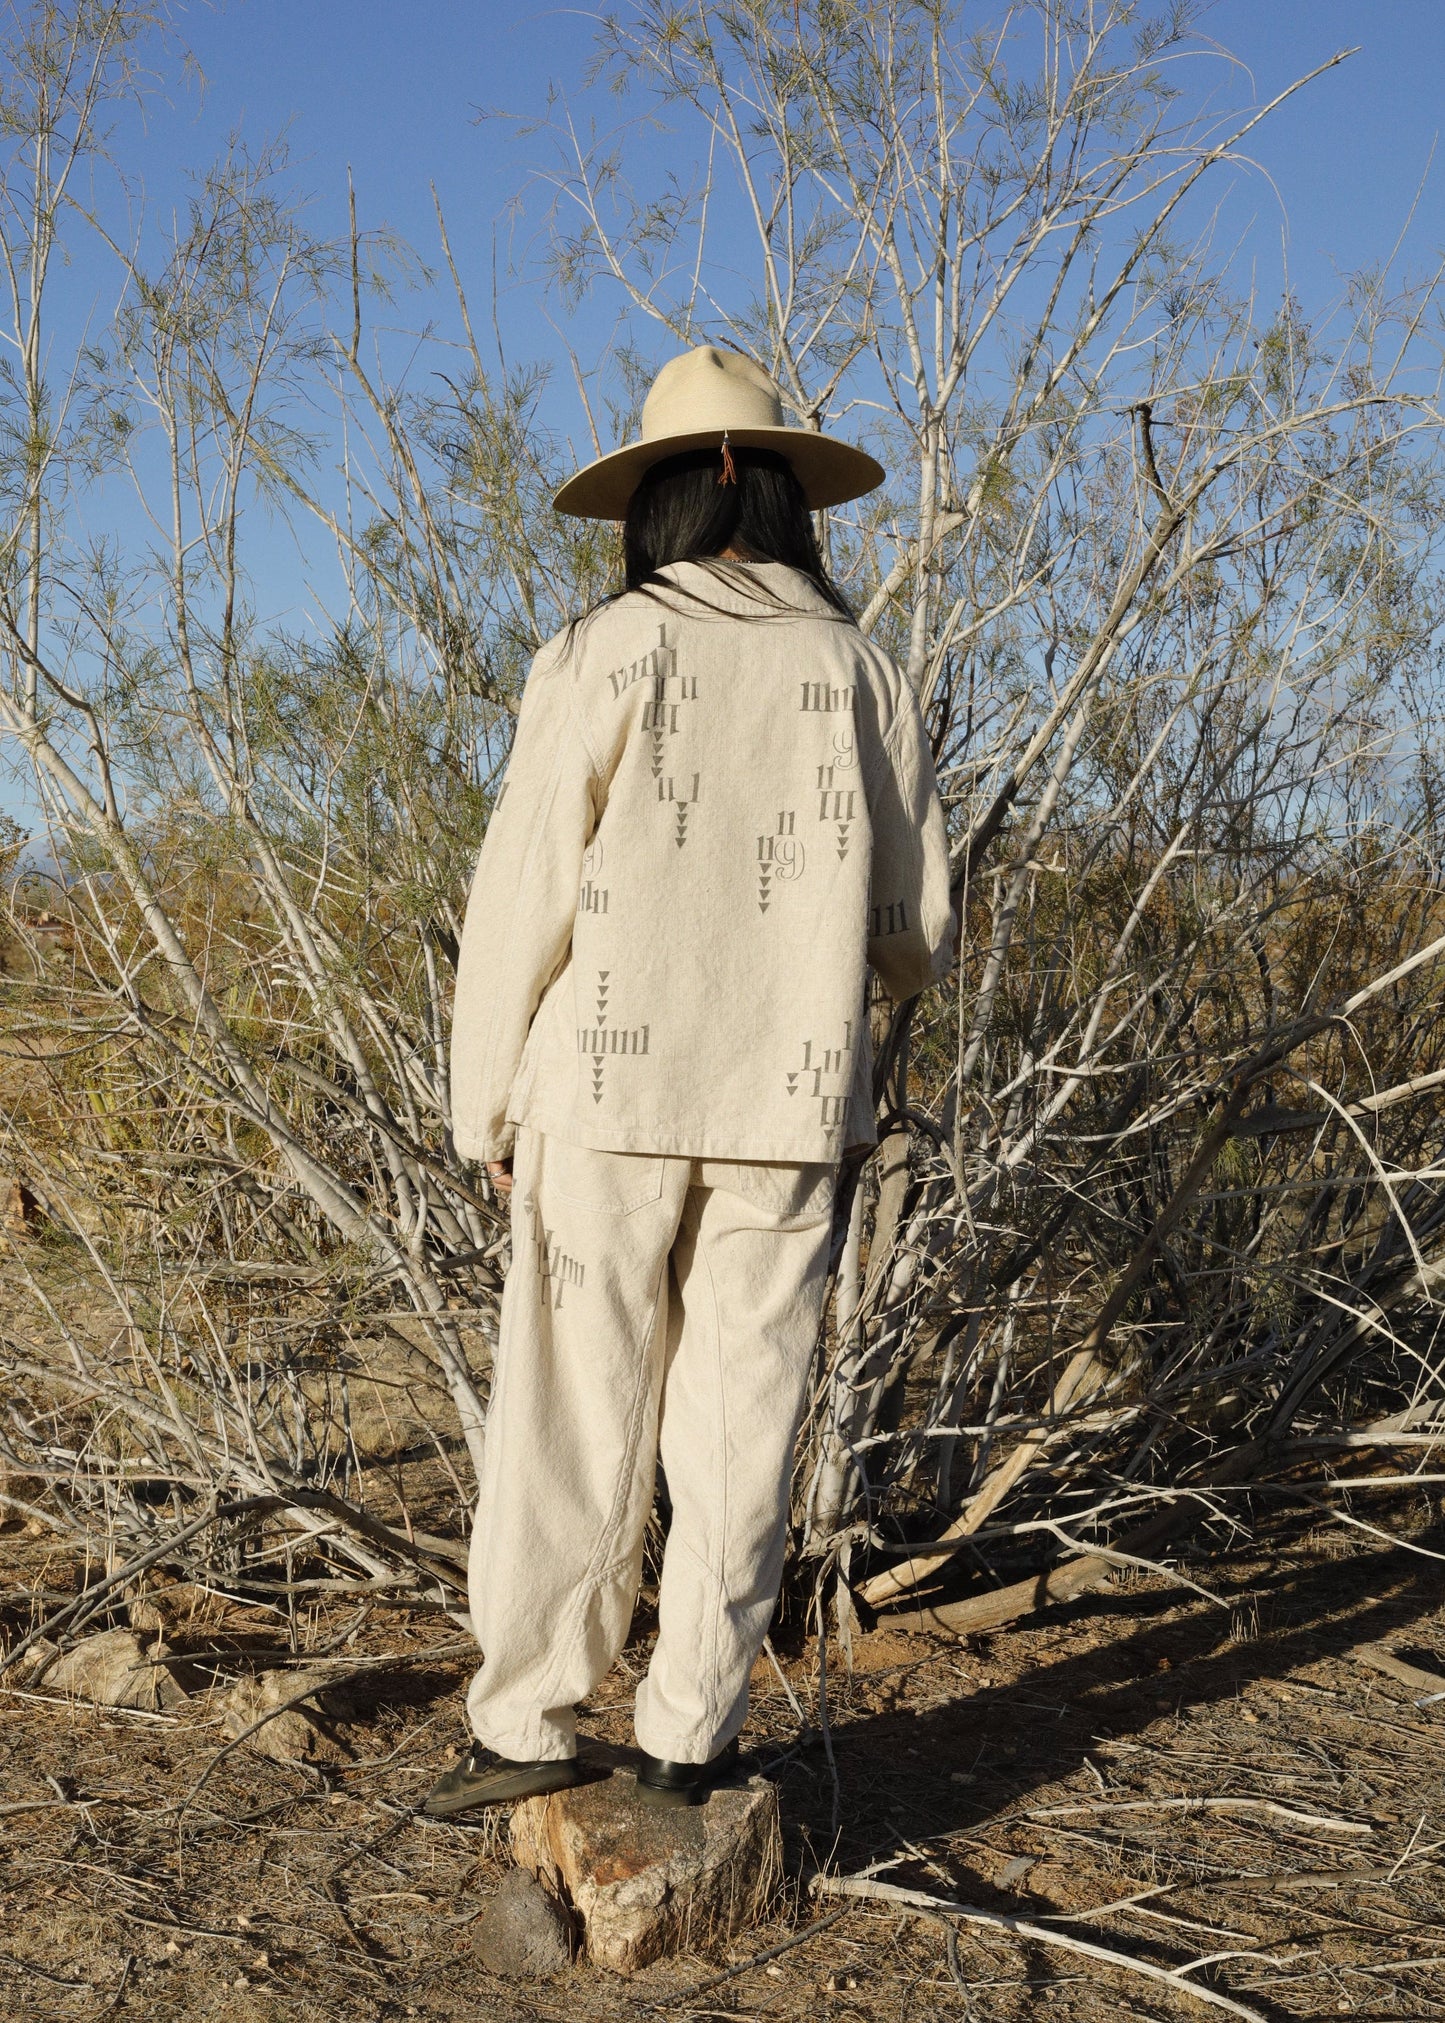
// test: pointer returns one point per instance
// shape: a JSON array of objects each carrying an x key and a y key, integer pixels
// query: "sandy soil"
[{"x": 1037, "y": 1772}]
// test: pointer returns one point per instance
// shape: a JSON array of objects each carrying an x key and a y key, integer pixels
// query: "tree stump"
[{"x": 642, "y": 1881}]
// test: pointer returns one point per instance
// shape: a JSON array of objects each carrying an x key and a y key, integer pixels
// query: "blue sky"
[
  {"x": 393, "y": 89},
  {"x": 1348, "y": 156},
  {"x": 411, "y": 94}
]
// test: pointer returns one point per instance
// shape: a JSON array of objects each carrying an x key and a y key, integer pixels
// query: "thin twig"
[
  {"x": 892, "y": 1893},
  {"x": 690, "y": 1995},
  {"x": 1268, "y": 1806}
]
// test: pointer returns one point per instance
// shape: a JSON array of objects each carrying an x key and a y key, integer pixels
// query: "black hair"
[{"x": 688, "y": 508}]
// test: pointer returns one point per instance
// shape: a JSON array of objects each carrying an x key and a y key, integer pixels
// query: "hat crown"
[{"x": 710, "y": 389}]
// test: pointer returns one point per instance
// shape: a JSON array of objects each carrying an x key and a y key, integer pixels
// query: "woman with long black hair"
[{"x": 720, "y": 809}]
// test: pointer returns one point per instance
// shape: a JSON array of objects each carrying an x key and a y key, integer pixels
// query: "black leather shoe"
[
  {"x": 662, "y": 1783},
  {"x": 482, "y": 1778}
]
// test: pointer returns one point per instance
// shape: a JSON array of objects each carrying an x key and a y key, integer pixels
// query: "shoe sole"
[{"x": 508, "y": 1791}]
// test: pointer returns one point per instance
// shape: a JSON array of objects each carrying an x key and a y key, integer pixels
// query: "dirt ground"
[{"x": 1038, "y": 1771}]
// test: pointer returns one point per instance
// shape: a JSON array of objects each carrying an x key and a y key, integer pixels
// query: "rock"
[
  {"x": 167, "y": 1610},
  {"x": 19, "y": 1209},
  {"x": 145, "y": 1616},
  {"x": 304, "y": 1733},
  {"x": 23, "y": 1489},
  {"x": 522, "y": 1930},
  {"x": 114, "y": 1669},
  {"x": 643, "y": 1881},
  {"x": 35, "y": 1661}
]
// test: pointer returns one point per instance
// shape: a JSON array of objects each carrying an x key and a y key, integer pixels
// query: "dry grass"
[{"x": 1166, "y": 580}]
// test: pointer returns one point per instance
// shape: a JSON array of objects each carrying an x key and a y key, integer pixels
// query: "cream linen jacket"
[{"x": 720, "y": 807}]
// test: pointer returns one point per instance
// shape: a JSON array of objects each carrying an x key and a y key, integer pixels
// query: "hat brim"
[{"x": 829, "y": 472}]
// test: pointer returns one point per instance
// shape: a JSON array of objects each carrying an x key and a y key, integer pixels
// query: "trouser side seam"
[
  {"x": 711, "y": 1698},
  {"x": 596, "y": 1570}
]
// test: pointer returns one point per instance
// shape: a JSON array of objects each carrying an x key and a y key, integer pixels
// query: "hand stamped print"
[
  {"x": 593, "y": 897},
  {"x": 780, "y": 856},
  {"x": 555, "y": 1267},
  {"x": 824, "y": 1075},
  {"x": 838, "y": 797},
  {"x": 602, "y": 1039},
  {"x": 661, "y": 713},
  {"x": 655, "y": 665},
  {"x": 662, "y": 718},
  {"x": 682, "y": 802},
  {"x": 838, "y": 805},
  {"x": 821, "y": 695}
]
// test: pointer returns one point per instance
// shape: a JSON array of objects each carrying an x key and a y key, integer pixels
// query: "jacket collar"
[{"x": 748, "y": 589}]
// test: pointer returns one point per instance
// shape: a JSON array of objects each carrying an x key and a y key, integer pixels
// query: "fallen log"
[
  {"x": 1432, "y": 1684},
  {"x": 1066, "y": 1583}
]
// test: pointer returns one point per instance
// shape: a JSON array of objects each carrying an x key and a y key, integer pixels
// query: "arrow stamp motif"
[
  {"x": 660, "y": 713},
  {"x": 823, "y": 1077},
  {"x": 659, "y": 718},
  {"x": 602, "y": 1039},
  {"x": 837, "y": 795},
  {"x": 780, "y": 857},
  {"x": 838, "y": 805},
  {"x": 683, "y": 802}
]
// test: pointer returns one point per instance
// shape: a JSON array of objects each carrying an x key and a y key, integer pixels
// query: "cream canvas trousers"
[{"x": 653, "y": 1301}]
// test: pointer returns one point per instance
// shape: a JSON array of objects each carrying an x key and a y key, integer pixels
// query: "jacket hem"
[{"x": 795, "y": 1149}]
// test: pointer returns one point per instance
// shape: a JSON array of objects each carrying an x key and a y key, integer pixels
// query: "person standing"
[{"x": 720, "y": 809}]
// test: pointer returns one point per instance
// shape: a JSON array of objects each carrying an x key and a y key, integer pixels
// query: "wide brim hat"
[{"x": 697, "y": 401}]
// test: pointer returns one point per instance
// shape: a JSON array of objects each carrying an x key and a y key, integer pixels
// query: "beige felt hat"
[{"x": 695, "y": 401}]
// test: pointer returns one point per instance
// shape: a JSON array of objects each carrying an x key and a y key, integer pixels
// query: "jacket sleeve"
[
  {"x": 911, "y": 927},
  {"x": 518, "y": 928}
]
